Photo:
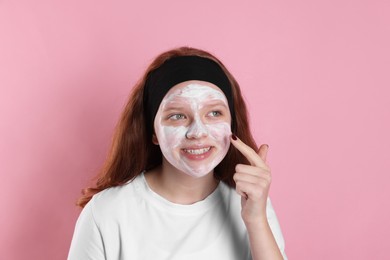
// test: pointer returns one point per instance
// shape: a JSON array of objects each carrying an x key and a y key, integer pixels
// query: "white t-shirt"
[{"x": 133, "y": 222}]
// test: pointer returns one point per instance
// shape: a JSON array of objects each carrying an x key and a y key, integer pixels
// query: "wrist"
[{"x": 256, "y": 223}]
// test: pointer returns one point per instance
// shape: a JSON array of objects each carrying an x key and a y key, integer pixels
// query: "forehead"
[{"x": 195, "y": 89}]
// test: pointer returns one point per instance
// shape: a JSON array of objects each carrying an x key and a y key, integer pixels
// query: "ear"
[{"x": 154, "y": 139}]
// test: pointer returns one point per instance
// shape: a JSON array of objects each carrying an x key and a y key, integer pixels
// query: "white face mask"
[{"x": 192, "y": 126}]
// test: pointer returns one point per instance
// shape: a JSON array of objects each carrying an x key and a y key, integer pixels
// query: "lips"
[{"x": 197, "y": 151}]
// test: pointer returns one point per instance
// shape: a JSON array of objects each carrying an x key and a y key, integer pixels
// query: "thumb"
[{"x": 263, "y": 151}]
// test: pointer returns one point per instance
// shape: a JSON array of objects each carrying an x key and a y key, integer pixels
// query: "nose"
[{"x": 197, "y": 129}]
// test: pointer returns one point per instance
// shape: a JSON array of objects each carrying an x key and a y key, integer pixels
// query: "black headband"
[{"x": 180, "y": 69}]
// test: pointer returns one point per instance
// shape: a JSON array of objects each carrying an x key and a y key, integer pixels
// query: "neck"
[{"x": 179, "y": 187}]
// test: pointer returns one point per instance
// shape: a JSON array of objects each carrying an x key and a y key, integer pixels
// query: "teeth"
[{"x": 197, "y": 151}]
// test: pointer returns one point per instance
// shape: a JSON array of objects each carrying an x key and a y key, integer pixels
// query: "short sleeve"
[
  {"x": 275, "y": 228},
  {"x": 87, "y": 243}
]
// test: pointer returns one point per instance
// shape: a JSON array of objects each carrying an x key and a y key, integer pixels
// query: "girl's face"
[{"x": 192, "y": 127}]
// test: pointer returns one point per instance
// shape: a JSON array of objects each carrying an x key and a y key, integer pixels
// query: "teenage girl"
[{"x": 184, "y": 178}]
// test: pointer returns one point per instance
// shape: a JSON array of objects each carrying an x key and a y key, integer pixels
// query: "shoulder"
[{"x": 114, "y": 201}]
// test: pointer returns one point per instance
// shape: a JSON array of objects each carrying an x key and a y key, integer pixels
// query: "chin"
[
  {"x": 196, "y": 171},
  {"x": 197, "y": 174}
]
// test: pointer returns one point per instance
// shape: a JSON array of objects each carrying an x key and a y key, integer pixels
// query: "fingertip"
[
  {"x": 263, "y": 151},
  {"x": 234, "y": 137},
  {"x": 264, "y": 147}
]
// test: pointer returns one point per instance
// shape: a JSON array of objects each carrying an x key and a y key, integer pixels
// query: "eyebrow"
[
  {"x": 216, "y": 103},
  {"x": 173, "y": 107}
]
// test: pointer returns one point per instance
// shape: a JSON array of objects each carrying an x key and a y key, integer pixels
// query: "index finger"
[{"x": 253, "y": 158}]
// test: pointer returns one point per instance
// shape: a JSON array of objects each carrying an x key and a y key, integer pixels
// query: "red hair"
[{"x": 132, "y": 150}]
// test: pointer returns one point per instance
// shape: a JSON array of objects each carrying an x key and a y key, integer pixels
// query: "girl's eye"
[
  {"x": 177, "y": 117},
  {"x": 215, "y": 113}
]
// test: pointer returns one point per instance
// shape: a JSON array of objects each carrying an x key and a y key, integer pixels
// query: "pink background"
[{"x": 315, "y": 75}]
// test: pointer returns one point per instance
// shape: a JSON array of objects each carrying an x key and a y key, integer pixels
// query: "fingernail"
[{"x": 234, "y": 137}]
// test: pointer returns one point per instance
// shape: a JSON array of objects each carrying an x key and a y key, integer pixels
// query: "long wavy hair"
[{"x": 132, "y": 150}]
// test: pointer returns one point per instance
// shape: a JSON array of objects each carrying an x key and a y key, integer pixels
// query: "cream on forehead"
[{"x": 197, "y": 91}]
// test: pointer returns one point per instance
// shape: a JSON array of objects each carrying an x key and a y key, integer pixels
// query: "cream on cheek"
[
  {"x": 220, "y": 134},
  {"x": 173, "y": 138},
  {"x": 170, "y": 139}
]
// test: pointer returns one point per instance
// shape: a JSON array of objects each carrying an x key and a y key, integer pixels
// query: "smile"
[{"x": 197, "y": 151}]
